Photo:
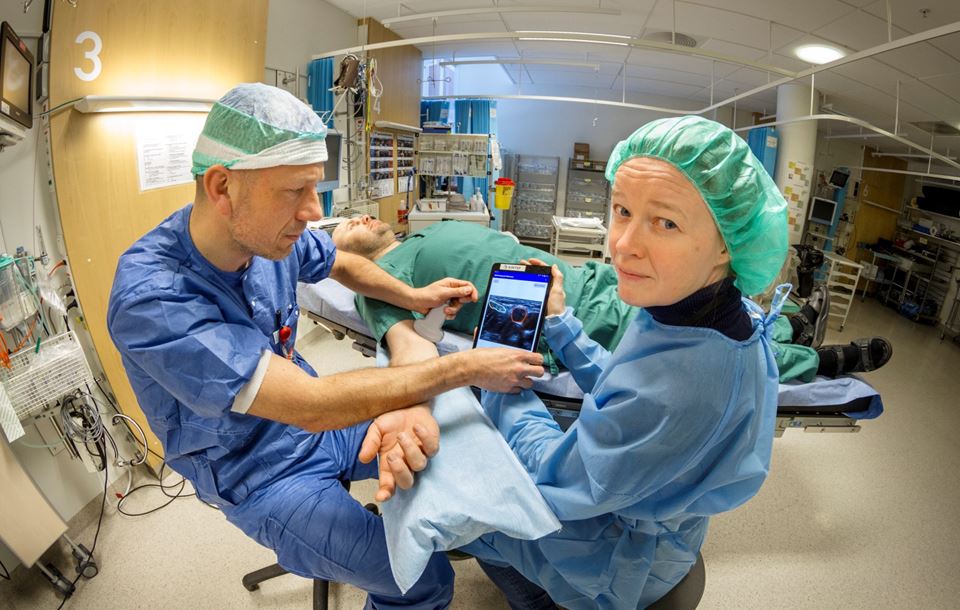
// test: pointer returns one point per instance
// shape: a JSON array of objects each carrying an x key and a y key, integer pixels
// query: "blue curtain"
[
  {"x": 319, "y": 81},
  {"x": 473, "y": 116},
  {"x": 434, "y": 110},
  {"x": 327, "y": 199}
]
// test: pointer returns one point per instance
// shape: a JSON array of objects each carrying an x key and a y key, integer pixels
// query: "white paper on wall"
[{"x": 164, "y": 153}]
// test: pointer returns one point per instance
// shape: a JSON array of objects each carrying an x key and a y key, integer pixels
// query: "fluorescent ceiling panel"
[{"x": 571, "y": 50}]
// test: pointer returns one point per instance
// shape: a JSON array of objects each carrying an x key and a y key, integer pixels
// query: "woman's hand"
[{"x": 557, "y": 300}]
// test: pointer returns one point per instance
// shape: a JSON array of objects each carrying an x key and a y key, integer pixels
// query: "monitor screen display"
[
  {"x": 16, "y": 76},
  {"x": 331, "y": 169},
  {"x": 16, "y": 71},
  {"x": 822, "y": 210},
  {"x": 839, "y": 179}
]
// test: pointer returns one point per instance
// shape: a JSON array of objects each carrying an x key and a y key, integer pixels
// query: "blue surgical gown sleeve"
[
  {"x": 584, "y": 357},
  {"x": 640, "y": 431},
  {"x": 316, "y": 253},
  {"x": 183, "y": 343}
]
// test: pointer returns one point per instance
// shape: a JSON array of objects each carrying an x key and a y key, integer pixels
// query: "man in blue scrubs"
[{"x": 203, "y": 311}]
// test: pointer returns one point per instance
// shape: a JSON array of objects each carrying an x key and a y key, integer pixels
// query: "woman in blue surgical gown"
[{"x": 677, "y": 423}]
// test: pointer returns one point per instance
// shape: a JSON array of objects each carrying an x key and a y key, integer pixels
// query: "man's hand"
[
  {"x": 451, "y": 292},
  {"x": 501, "y": 369},
  {"x": 557, "y": 300},
  {"x": 403, "y": 439}
]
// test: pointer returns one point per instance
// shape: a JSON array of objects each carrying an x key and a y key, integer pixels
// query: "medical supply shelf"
[
  {"x": 383, "y": 164},
  {"x": 924, "y": 276},
  {"x": 453, "y": 154},
  {"x": 843, "y": 275},
  {"x": 588, "y": 192},
  {"x": 534, "y": 204}
]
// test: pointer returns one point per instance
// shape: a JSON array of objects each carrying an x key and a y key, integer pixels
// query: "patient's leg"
[{"x": 860, "y": 355}]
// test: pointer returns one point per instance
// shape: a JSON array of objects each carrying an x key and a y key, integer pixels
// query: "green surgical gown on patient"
[{"x": 468, "y": 251}]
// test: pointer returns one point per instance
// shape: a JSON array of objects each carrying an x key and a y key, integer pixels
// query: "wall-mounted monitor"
[
  {"x": 16, "y": 77},
  {"x": 839, "y": 178},
  {"x": 822, "y": 210},
  {"x": 331, "y": 169}
]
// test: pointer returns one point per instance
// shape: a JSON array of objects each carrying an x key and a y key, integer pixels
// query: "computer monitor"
[
  {"x": 331, "y": 169},
  {"x": 839, "y": 178},
  {"x": 16, "y": 77},
  {"x": 822, "y": 210}
]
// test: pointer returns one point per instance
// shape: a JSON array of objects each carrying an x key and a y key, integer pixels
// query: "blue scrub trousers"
[
  {"x": 319, "y": 531},
  {"x": 521, "y": 594}
]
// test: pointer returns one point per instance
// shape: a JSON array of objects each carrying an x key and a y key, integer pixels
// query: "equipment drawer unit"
[
  {"x": 535, "y": 198},
  {"x": 588, "y": 192}
]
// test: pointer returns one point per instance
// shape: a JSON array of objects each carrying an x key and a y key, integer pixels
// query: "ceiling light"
[
  {"x": 387, "y": 23},
  {"x": 818, "y": 53},
  {"x": 558, "y": 32},
  {"x": 524, "y": 62},
  {"x": 550, "y": 39}
]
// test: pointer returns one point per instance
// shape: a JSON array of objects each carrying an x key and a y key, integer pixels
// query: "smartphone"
[{"x": 513, "y": 308}]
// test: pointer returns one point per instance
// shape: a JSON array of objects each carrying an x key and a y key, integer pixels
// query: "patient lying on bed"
[{"x": 468, "y": 251}]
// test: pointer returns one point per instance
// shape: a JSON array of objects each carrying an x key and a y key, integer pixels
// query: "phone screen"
[{"x": 513, "y": 308}]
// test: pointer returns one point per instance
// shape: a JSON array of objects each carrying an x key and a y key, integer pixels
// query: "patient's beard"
[{"x": 373, "y": 243}]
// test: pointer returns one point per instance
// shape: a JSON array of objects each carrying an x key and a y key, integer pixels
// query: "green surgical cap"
[
  {"x": 255, "y": 126},
  {"x": 749, "y": 210}
]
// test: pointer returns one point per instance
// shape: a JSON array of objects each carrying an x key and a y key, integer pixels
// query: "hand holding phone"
[
  {"x": 557, "y": 298},
  {"x": 514, "y": 306}
]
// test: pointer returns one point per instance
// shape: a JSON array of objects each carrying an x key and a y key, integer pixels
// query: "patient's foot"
[
  {"x": 866, "y": 354},
  {"x": 809, "y": 326}
]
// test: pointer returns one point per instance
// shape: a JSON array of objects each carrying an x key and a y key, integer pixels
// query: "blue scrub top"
[
  {"x": 190, "y": 337},
  {"x": 677, "y": 425}
]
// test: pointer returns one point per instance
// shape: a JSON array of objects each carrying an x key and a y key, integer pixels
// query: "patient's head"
[{"x": 365, "y": 236}]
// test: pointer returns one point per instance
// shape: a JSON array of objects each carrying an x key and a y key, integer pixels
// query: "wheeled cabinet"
[
  {"x": 588, "y": 192},
  {"x": 534, "y": 203}
]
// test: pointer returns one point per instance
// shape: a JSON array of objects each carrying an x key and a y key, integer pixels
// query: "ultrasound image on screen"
[{"x": 511, "y": 322}]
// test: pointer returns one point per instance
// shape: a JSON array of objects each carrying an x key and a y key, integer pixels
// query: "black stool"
[
  {"x": 321, "y": 588},
  {"x": 687, "y": 593}
]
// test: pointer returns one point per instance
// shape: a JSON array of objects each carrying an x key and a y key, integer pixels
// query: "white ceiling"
[{"x": 765, "y": 31}]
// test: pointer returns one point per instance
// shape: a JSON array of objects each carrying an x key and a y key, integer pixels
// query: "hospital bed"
[{"x": 823, "y": 405}]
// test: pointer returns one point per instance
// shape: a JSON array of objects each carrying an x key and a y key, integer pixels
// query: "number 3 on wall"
[{"x": 93, "y": 55}]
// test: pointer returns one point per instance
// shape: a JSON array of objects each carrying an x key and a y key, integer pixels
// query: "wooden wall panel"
[
  {"x": 880, "y": 189},
  {"x": 175, "y": 48},
  {"x": 400, "y": 70}
]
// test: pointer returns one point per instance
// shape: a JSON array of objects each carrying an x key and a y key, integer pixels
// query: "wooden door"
[
  {"x": 881, "y": 197},
  {"x": 173, "y": 48}
]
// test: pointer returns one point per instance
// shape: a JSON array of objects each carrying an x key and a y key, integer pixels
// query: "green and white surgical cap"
[
  {"x": 749, "y": 210},
  {"x": 256, "y": 126}
]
